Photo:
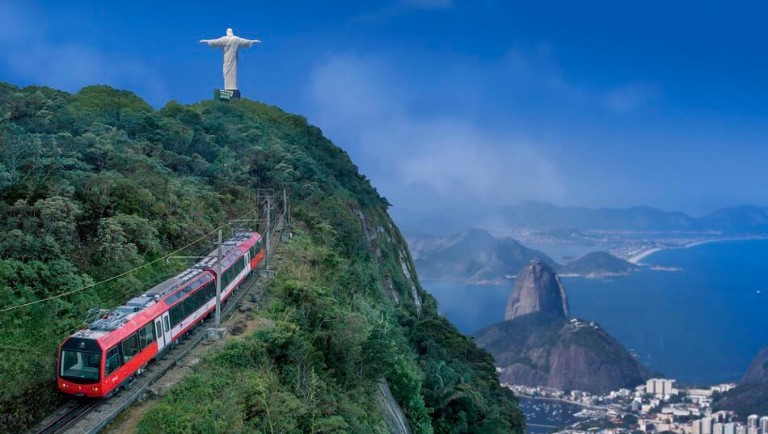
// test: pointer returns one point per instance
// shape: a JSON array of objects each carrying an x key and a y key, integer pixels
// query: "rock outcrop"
[
  {"x": 568, "y": 354},
  {"x": 537, "y": 289}
]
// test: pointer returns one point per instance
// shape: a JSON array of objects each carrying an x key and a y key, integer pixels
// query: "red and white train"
[{"x": 113, "y": 350}]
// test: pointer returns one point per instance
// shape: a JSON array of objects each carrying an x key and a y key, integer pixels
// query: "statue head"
[{"x": 229, "y": 32}]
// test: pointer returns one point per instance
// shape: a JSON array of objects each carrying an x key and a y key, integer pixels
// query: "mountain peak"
[{"x": 537, "y": 289}]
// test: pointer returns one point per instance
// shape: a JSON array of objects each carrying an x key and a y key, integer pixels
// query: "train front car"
[
  {"x": 80, "y": 367},
  {"x": 112, "y": 351}
]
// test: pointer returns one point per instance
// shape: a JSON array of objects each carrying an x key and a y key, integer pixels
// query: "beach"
[
  {"x": 640, "y": 256},
  {"x": 635, "y": 259}
]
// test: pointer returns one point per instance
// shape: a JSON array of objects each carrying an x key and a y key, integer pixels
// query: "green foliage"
[{"x": 96, "y": 183}]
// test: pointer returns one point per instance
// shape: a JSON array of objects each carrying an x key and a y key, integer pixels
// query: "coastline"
[
  {"x": 642, "y": 255},
  {"x": 635, "y": 259}
]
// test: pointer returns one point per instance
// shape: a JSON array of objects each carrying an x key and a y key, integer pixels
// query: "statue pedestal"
[{"x": 226, "y": 94}]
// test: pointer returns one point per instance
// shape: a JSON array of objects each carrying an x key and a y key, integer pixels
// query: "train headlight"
[
  {"x": 94, "y": 389},
  {"x": 65, "y": 385}
]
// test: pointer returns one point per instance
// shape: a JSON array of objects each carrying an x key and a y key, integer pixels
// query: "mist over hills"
[
  {"x": 744, "y": 219},
  {"x": 475, "y": 255}
]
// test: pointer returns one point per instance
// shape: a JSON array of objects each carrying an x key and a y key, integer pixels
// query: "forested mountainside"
[{"x": 96, "y": 183}]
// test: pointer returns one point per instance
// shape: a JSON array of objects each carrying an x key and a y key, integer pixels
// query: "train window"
[
  {"x": 146, "y": 336},
  {"x": 113, "y": 360},
  {"x": 159, "y": 329},
  {"x": 80, "y": 366},
  {"x": 167, "y": 324},
  {"x": 130, "y": 347},
  {"x": 177, "y": 314},
  {"x": 200, "y": 296},
  {"x": 189, "y": 306}
]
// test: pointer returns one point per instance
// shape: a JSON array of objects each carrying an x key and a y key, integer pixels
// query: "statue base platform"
[{"x": 226, "y": 94}]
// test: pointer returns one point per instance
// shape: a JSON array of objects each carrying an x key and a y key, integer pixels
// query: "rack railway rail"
[{"x": 89, "y": 416}]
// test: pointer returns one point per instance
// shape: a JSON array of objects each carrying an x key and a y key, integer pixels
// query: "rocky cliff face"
[
  {"x": 758, "y": 369},
  {"x": 568, "y": 354},
  {"x": 537, "y": 289}
]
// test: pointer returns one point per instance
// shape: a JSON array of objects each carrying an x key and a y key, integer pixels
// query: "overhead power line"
[{"x": 93, "y": 285}]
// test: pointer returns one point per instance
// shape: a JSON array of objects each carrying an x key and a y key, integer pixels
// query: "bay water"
[{"x": 701, "y": 325}]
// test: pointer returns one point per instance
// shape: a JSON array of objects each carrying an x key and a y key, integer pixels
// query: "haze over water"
[{"x": 701, "y": 325}]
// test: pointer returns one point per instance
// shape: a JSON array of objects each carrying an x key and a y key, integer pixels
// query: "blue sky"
[{"x": 451, "y": 102}]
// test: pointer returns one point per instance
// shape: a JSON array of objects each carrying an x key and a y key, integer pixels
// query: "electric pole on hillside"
[
  {"x": 269, "y": 229},
  {"x": 287, "y": 216},
  {"x": 276, "y": 203}
]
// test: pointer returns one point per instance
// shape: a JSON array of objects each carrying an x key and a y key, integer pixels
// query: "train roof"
[
  {"x": 229, "y": 250},
  {"x": 145, "y": 307}
]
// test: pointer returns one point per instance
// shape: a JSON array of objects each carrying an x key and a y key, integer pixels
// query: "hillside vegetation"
[{"x": 96, "y": 183}]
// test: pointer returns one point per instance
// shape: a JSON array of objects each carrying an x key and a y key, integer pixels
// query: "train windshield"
[{"x": 80, "y": 366}]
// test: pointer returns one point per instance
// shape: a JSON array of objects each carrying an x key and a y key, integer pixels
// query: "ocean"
[
  {"x": 700, "y": 325},
  {"x": 544, "y": 416}
]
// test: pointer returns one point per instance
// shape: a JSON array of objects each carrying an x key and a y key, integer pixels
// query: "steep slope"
[
  {"x": 473, "y": 255},
  {"x": 96, "y": 183},
  {"x": 598, "y": 264},
  {"x": 545, "y": 350},
  {"x": 751, "y": 395},
  {"x": 758, "y": 369},
  {"x": 537, "y": 289}
]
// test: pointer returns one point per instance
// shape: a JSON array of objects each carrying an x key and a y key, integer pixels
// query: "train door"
[
  {"x": 167, "y": 327},
  {"x": 159, "y": 333}
]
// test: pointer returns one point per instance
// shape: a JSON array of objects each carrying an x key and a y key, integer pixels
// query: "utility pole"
[
  {"x": 269, "y": 229},
  {"x": 218, "y": 282},
  {"x": 286, "y": 223}
]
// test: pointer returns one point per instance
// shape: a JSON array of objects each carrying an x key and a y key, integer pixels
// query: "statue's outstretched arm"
[
  {"x": 247, "y": 42},
  {"x": 214, "y": 42}
]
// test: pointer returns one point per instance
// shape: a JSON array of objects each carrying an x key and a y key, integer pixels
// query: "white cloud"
[
  {"x": 28, "y": 51},
  {"x": 361, "y": 103}
]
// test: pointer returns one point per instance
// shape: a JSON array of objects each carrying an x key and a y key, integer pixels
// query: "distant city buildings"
[
  {"x": 657, "y": 406},
  {"x": 661, "y": 387}
]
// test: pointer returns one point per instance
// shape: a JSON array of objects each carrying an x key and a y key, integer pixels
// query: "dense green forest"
[{"x": 96, "y": 183}]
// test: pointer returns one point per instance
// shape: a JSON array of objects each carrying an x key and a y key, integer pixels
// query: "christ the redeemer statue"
[{"x": 230, "y": 44}]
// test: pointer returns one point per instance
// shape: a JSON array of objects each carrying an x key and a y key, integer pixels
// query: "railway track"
[
  {"x": 74, "y": 411},
  {"x": 94, "y": 415}
]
